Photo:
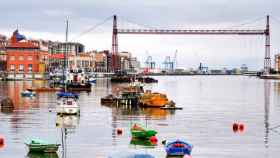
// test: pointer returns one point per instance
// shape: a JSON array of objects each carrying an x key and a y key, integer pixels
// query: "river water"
[{"x": 211, "y": 104}]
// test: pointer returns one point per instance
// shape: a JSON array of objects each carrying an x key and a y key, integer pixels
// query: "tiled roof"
[{"x": 22, "y": 45}]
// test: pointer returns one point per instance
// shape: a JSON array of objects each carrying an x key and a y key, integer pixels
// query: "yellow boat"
[{"x": 149, "y": 99}]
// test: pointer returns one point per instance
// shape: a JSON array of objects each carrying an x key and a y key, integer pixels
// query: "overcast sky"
[{"x": 46, "y": 20}]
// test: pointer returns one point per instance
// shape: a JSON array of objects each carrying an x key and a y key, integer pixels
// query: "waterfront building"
[
  {"x": 82, "y": 61},
  {"x": 56, "y": 52},
  {"x": 24, "y": 57},
  {"x": 277, "y": 62},
  {"x": 3, "y": 53}
]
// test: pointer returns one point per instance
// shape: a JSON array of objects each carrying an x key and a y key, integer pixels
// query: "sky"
[{"x": 46, "y": 20}]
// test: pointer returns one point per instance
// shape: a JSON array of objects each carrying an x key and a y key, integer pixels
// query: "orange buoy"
[
  {"x": 241, "y": 127},
  {"x": 235, "y": 127},
  {"x": 153, "y": 139},
  {"x": 119, "y": 131}
]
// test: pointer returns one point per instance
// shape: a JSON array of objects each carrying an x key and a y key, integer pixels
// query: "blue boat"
[
  {"x": 28, "y": 93},
  {"x": 92, "y": 80},
  {"x": 178, "y": 148},
  {"x": 67, "y": 95}
]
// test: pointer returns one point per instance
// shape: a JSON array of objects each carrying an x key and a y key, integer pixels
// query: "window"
[
  {"x": 12, "y": 68},
  {"x": 12, "y": 57},
  {"x": 29, "y": 67},
  {"x": 29, "y": 58},
  {"x": 21, "y": 58},
  {"x": 21, "y": 68}
]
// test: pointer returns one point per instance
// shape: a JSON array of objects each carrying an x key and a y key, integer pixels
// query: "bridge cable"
[
  {"x": 92, "y": 28},
  {"x": 248, "y": 22},
  {"x": 134, "y": 23}
]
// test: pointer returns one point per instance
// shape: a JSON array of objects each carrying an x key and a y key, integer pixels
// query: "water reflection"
[
  {"x": 266, "y": 111},
  {"x": 41, "y": 155},
  {"x": 67, "y": 124}
]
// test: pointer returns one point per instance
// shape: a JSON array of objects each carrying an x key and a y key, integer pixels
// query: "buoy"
[
  {"x": 1, "y": 140},
  {"x": 241, "y": 127},
  {"x": 119, "y": 131},
  {"x": 187, "y": 156},
  {"x": 153, "y": 139},
  {"x": 235, "y": 127}
]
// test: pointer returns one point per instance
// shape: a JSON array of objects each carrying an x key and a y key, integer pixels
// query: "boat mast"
[{"x": 65, "y": 57}]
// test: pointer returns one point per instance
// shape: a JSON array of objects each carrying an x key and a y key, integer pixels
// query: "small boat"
[
  {"x": 178, "y": 148},
  {"x": 28, "y": 93},
  {"x": 109, "y": 100},
  {"x": 141, "y": 133},
  {"x": 44, "y": 89},
  {"x": 67, "y": 104},
  {"x": 149, "y": 99},
  {"x": 92, "y": 80},
  {"x": 38, "y": 145}
]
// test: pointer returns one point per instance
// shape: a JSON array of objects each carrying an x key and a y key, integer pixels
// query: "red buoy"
[
  {"x": 153, "y": 139},
  {"x": 235, "y": 127},
  {"x": 1, "y": 140},
  {"x": 241, "y": 127},
  {"x": 119, "y": 131}
]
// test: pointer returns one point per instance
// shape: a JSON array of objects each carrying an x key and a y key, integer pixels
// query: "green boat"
[
  {"x": 38, "y": 145},
  {"x": 141, "y": 133}
]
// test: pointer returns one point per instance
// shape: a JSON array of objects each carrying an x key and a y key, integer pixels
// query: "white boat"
[{"x": 67, "y": 104}]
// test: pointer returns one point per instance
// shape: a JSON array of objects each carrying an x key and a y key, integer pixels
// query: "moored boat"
[
  {"x": 38, "y": 145},
  {"x": 149, "y": 99},
  {"x": 67, "y": 104},
  {"x": 178, "y": 148},
  {"x": 45, "y": 89},
  {"x": 141, "y": 133},
  {"x": 109, "y": 100},
  {"x": 28, "y": 93}
]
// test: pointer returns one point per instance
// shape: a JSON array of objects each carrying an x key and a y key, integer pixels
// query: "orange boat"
[
  {"x": 149, "y": 99},
  {"x": 45, "y": 89}
]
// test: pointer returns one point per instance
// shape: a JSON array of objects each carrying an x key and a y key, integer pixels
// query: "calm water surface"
[{"x": 211, "y": 105}]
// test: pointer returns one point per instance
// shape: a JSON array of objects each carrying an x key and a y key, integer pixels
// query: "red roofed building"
[{"x": 24, "y": 57}]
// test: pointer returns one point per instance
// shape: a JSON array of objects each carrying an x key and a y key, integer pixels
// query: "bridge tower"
[
  {"x": 267, "y": 60},
  {"x": 115, "y": 57}
]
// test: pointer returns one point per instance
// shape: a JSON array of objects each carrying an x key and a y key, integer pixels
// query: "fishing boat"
[
  {"x": 77, "y": 81},
  {"x": 149, "y": 99},
  {"x": 178, "y": 148},
  {"x": 141, "y": 133},
  {"x": 28, "y": 93},
  {"x": 38, "y": 145},
  {"x": 67, "y": 104}
]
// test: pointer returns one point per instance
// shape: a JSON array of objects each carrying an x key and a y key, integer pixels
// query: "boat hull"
[
  {"x": 28, "y": 94},
  {"x": 68, "y": 110},
  {"x": 143, "y": 134},
  {"x": 178, "y": 148},
  {"x": 50, "y": 148}
]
